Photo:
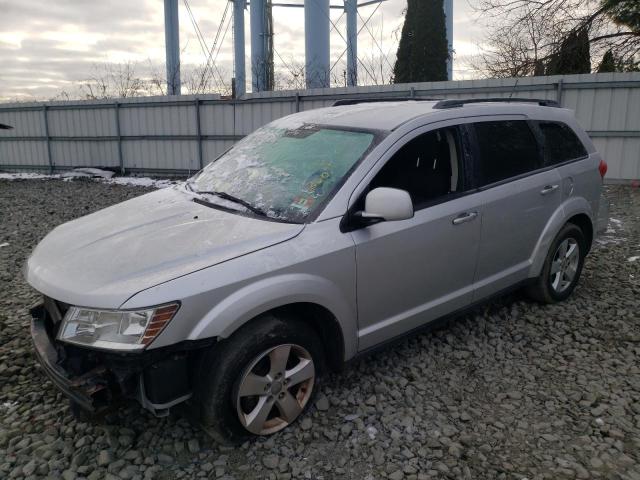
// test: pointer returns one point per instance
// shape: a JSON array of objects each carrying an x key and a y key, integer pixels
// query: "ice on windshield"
[{"x": 287, "y": 172}]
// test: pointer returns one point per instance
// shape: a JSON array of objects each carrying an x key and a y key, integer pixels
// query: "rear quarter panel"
[{"x": 581, "y": 191}]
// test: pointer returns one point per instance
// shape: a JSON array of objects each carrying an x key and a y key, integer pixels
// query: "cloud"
[{"x": 48, "y": 46}]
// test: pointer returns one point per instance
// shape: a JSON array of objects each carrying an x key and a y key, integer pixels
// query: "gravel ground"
[{"x": 513, "y": 391}]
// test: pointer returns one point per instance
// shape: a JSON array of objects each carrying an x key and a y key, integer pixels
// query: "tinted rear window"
[
  {"x": 507, "y": 149},
  {"x": 560, "y": 143}
]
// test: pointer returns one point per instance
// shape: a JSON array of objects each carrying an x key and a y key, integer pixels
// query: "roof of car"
[{"x": 389, "y": 115}]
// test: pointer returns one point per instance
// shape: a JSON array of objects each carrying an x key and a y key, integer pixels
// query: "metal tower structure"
[
  {"x": 172, "y": 46},
  {"x": 240, "y": 78},
  {"x": 448, "y": 12},
  {"x": 317, "y": 34},
  {"x": 258, "y": 13},
  {"x": 317, "y": 41},
  {"x": 351, "y": 9}
]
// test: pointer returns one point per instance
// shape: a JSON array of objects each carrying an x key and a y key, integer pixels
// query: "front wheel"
[
  {"x": 562, "y": 267},
  {"x": 260, "y": 380}
]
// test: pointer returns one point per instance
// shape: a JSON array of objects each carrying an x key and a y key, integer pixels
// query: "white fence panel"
[{"x": 180, "y": 134}]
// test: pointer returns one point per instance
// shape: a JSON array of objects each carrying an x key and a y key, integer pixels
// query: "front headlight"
[{"x": 115, "y": 329}]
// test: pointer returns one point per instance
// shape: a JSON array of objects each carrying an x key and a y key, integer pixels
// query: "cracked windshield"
[{"x": 286, "y": 172}]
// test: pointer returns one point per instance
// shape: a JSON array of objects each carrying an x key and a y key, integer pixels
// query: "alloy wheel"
[
  {"x": 275, "y": 388},
  {"x": 564, "y": 266}
]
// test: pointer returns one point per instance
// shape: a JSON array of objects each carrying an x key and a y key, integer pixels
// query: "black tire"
[
  {"x": 224, "y": 366},
  {"x": 542, "y": 290}
]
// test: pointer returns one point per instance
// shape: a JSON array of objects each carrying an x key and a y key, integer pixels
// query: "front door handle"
[
  {"x": 548, "y": 189},
  {"x": 465, "y": 217}
]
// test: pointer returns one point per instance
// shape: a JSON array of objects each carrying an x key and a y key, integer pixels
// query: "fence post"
[
  {"x": 199, "y": 132},
  {"x": 46, "y": 134},
  {"x": 297, "y": 102},
  {"x": 119, "y": 135},
  {"x": 559, "y": 91}
]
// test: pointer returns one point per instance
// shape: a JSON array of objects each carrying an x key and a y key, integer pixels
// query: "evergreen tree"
[
  {"x": 624, "y": 12},
  {"x": 423, "y": 51},
  {"x": 608, "y": 64},
  {"x": 573, "y": 56},
  {"x": 612, "y": 63}
]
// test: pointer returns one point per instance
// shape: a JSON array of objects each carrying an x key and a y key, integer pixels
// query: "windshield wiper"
[{"x": 227, "y": 196}]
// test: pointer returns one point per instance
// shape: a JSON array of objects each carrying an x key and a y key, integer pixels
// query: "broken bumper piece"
[{"x": 95, "y": 380}]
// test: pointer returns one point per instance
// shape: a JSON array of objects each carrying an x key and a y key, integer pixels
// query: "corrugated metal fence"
[{"x": 177, "y": 135}]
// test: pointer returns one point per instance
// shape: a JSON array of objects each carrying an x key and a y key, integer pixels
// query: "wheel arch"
[
  {"x": 585, "y": 224},
  {"x": 311, "y": 299},
  {"x": 574, "y": 210},
  {"x": 323, "y": 322}
]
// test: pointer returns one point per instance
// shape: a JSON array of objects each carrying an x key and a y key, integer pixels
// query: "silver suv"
[{"x": 315, "y": 239}]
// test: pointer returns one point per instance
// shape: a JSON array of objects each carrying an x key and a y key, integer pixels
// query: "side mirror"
[{"x": 387, "y": 204}]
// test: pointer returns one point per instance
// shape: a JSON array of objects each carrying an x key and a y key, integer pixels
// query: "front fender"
[
  {"x": 569, "y": 208},
  {"x": 257, "y": 298}
]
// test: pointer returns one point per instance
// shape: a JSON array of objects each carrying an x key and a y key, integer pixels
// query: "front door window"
[{"x": 428, "y": 167}]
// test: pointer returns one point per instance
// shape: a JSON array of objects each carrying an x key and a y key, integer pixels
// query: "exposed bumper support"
[
  {"x": 94, "y": 380},
  {"x": 78, "y": 389}
]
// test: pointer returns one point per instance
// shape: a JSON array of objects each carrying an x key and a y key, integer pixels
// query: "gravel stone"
[
  {"x": 270, "y": 461},
  {"x": 193, "y": 445},
  {"x": 104, "y": 458},
  {"x": 306, "y": 423},
  {"x": 511, "y": 390},
  {"x": 322, "y": 403}
]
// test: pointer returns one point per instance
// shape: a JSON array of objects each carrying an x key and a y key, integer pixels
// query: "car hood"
[{"x": 104, "y": 258}]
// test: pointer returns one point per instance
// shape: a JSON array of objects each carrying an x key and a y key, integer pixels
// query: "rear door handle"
[
  {"x": 548, "y": 189},
  {"x": 465, "y": 217}
]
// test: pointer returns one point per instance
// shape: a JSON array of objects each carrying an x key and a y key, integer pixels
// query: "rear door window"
[
  {"x": 506, "y": 149},
  {"x": 560, "y": 143}
]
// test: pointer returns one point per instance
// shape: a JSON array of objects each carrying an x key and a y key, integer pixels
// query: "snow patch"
[
  {"x": 143, "y": 182},
  {"x": 88, "y": 173},
  {"x": 95, "y": 174},
  {"x": 630, "y": 259},
  {"x": 372, "y": 432},
  {"x": 26, "y": 176},
  {"x": 612, "y": 233}
]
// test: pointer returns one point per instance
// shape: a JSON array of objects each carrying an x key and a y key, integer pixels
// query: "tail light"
[{"x": 602, "y": 168}]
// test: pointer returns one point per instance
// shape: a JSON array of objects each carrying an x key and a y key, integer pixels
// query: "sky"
[{"x": 51, "y": 46}]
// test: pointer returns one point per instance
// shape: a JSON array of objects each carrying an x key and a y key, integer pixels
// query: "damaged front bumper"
[{"x": 95, "y": 380}]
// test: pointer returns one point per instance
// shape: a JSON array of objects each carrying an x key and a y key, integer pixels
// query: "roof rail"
[
  {"x": 356, "y": 101},
  {"x": 461, "y": 103}
]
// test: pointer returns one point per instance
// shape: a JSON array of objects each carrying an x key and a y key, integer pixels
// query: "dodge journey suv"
[{"x": 315, "y": 239}]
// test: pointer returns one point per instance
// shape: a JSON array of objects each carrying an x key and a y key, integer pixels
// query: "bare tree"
[
  {"x": 290, "y": 74},
  {"x": 522, "y": 36},
  {"x": 111, "y": 80},
  {"x": 200, "y": 80},
  {"x": 157, "y": 78},
  {"x": 123, "y": 80}
]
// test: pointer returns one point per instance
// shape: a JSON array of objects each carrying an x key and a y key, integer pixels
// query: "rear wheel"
[
  {"x": 562, "y": 267},
  {"x": 260, "y": 380}
]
